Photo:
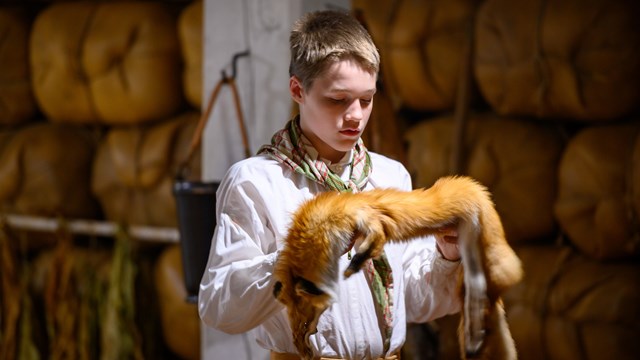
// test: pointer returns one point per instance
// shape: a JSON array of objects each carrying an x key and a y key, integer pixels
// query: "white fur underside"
[{"x": 475, "y": 283}]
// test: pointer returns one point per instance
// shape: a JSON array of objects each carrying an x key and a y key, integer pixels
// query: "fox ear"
[{"x": 277, "y": 289}]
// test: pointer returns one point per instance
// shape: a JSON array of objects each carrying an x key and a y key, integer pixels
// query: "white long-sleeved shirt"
[{"x": 255, "y": 202}]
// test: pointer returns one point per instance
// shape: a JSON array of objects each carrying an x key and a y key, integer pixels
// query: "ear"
[
  {"x": 277, "y": 289},
  {"x": 295, "y": 89}
]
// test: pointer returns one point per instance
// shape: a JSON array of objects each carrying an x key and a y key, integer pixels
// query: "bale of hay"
[
  {"x": 516, "y": 159},
  {"x": 421, "y": 46},
  {"x": 45, "y": 170},
  {"x": 598, "y": 204},
  {"x": 570, "y": 307},
  {"x": 17, "y": 104},
  {"x": 190, "y": 29},
  {"x": 567, "y": 59},
  {"x": 180, "y": 321},
  {"x": 135, "y": 167},
  {"x": 106, "y": 62}
]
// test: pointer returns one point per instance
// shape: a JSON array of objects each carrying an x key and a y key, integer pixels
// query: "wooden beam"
[{"x": 93, "y": 227}]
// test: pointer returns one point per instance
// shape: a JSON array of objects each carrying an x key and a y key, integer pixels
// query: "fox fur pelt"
[{"x": 330, "y": 224}]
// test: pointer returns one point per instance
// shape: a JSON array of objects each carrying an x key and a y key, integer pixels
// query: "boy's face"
[{"x": 336, "y": 109}]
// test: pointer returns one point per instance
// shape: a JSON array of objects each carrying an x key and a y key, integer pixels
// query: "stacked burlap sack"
[
  {"x": 567, "y": 59},
  {"x": 421, "y": 45},
  {"x": 559, "y": 59},
  {"x": 118, "y": 64},
  {"x": 45, "y": 170},
  {"x": 576, "y": 301},
  {"x": 106, "y": 62},
  {"x": 135, "y": 167},
  {"x": 570, "y": 307},
  {"x": 5, "y": 136},
  {"x": 180, "y": 321},
  {"x": 111, "y": 79},
  {"x": 17, "y": 104},
  {"x": 598, "y": 204},
  {"x": 178, "y": 318},
  {"x": 515, "y": 158},
  {"x": 382, "y": 135},
  {"x": 190, "y": 32},
  {"x": 545, "y": 64}
]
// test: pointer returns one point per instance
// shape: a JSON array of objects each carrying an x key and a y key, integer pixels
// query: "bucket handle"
[{"x": 197, "y": 135}]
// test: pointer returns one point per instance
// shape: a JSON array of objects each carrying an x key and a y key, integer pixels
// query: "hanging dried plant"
[
  {"x": 10, "y": 304},
  {"x": 16, "y": 335},
  {"x": 73, "y": 292},
  {"x": 27, "y": 348},
  {"x": 91, "y": 289},
  {"x": 61, "y": 301},
  {"x": 120, "y": 337}
]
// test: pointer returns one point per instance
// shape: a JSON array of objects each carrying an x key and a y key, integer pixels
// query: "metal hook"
[{"x": 234, "y": 61}]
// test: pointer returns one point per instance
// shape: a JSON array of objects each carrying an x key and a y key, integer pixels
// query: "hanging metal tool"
[
  {"x": 197, "y": 136},
  {"x": 196, "y": 200}
]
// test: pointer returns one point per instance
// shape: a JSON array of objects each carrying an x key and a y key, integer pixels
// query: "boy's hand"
[{"x": 447, "y": 242}]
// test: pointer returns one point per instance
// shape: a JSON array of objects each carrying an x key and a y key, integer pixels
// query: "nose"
[{"x": 354, "y": 111}]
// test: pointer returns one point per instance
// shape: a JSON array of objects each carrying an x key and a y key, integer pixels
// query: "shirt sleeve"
[
  {"x": 236, "y": 291},
  {"x": 431, "y": 282}
]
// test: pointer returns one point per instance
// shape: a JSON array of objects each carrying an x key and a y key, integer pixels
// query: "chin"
[{"x": 345, "y": 146}]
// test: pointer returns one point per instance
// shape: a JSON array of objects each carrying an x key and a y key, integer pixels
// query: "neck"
[{"x": 323, "y": 149}]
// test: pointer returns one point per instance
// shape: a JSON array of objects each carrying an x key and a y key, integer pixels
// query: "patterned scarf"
[{"x": 288, "y": 147}]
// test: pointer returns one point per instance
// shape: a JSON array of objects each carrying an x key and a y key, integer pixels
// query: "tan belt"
[{"x": 283, "y": 356}]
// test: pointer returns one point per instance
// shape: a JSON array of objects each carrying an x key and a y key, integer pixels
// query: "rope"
[
  {"x": 631, "y": 195},
  {"x": 197, "y": 135},
  {"x": 458, "y": 159},
  {"x": 243, "y": 129},
  {"x": 565, "y": 255},
  {"x": 539, "y": 60}
]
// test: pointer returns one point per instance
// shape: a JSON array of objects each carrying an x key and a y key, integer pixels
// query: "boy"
[{"x": 334, "y": 67}]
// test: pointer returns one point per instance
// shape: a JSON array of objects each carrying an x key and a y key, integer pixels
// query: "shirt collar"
[{"x": 337, "y": 167}]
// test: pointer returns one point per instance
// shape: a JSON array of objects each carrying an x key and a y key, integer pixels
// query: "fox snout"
[{"x": 305, "y": 302}]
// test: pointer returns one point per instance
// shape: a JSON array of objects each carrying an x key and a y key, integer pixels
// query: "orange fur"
[{"x": 326, "y": 226}]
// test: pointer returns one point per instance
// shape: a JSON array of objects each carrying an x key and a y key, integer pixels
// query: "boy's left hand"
[{"x": 447, "y": 243}]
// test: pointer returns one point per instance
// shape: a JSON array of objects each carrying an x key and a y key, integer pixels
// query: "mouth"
[{"x": 350, "y": 132}]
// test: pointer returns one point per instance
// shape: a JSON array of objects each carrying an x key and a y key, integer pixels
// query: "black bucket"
[{"x": 196, "y": 208}]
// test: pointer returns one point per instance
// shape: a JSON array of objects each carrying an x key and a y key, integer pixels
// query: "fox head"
[
  {"x": 305, "y": 302},
  {"x": 307, "y": 270}
]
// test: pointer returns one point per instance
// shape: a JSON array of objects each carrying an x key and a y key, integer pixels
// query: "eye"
[
  {"x": 365, "y": 102},
  {"x": 337, "y": 100}
]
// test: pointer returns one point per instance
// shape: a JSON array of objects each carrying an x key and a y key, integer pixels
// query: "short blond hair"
[{"x": 321, "y": 38}]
